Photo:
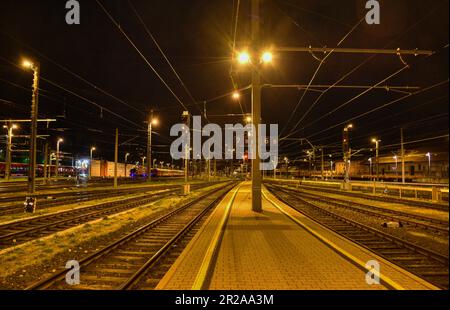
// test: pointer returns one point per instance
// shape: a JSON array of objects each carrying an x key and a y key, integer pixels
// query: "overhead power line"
[
  {"x": 140, "y": 54},
  {"x": 147, "y": 30}
]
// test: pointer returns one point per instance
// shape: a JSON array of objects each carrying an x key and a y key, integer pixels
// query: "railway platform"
[{"x": 238, "y": 249}]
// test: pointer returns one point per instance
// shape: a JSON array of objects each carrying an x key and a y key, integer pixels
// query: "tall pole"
[
  {"x": 377, "y": 143},
  {"x": 45, "y": 162},
  {"x": 209, "y": 163},
  {"x": 34, "y": 115},
  {"x": 149, "y": 147},
  {"x": 90, "y": 162},
  {"x": 8, "y": 158},
  {"x": 126, "y": 160},
  {"x": 187, "y": 122},
  {"x": 57, "y": 158},
  {"x": 116, "y": 157},
  {"x": 402, "y": 154},
  {"x": 345, "y": 148},
  {"x": 256, "y": 111},
  {"x": 322, "y": 164}
]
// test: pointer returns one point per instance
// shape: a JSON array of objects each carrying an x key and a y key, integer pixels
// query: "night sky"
[{"x": 95, "y": 63}]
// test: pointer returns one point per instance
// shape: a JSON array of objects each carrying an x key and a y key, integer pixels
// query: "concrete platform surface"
[{"x": 277, "y": 249}]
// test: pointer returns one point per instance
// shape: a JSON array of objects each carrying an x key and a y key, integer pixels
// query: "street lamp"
[
  {"x": 347, "y": 152},
  {"x": 396, "y": 164},
  {"x": 370, "y": 165},
  {"x": 9, "y": 128},
  {"x": 35, "y": 67},
  {"x": 286, "y": 160},
  {"x": 90, "y": 161},
  {"x": 57, "y": 156},
  {"x": 126, "y": 158},
  {"x": 377, "y": 145},
  {"x": 151, "y": 122},
  {"x": 143, "y": 160},
  {"x": 236, "y": 95},
  {"x": 266, "y": 57},
  {"x": 429, "y": 163},
  {"x": 243, "y": 58}
]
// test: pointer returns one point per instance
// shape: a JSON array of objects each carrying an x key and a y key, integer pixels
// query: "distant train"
[
  {"x": 20, "y": 170},
  {"x": 139, "y": 171},
  {"x": 100, "y": 169}
]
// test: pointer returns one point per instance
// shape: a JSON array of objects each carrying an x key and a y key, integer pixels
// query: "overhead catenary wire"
[
  {"x": 314, "y": 76},
  {"x": 374, "y": 55},
  {"x": 147, "y": 30},
  {"x": 140, "y": 54},
  {"x": 78, "y": 96},
  {"x": 380, "y": 107},
  {"x": 77, "y": 76}
]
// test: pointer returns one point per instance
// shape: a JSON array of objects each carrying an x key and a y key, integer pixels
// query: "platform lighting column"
[
  {"x": 286, "y": 161},
  {"x": 116, "y": 157},
  {"x": 9, "y": 128},
  {"x": 402, "y": 151},
  {"x": 429, "y": 163},
  {"x": 322, "y": 164},
  {"x": 126, "y": 160},
  {"x": 256, "y": 110},
  {"x": 377, "y": 145},
  {"x": 90, "y": 161},
  {"x": 34, "y": 115},
  {"x": 346, "y": 151},
  {"x": 151, "y": 122},
  {"x": 45, "y": 162},
  {"x": 57, "y": 157}
]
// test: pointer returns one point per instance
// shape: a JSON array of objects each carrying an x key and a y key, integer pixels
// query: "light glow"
[
  {"x": 244, "y": 58},
  {"x": 266, "y": 57}
]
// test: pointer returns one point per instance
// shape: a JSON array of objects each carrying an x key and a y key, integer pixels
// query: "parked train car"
[
  {"x": 21, "y": 170},
  {"x": 139, "y": 171}
]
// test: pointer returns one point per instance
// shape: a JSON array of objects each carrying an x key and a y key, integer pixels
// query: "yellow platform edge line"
[
  {"x": 337, "y": 248},
  {"x": 213, "y": 246}
]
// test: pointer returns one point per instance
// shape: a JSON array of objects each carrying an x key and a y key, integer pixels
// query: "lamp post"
[
  {"x": 35, "y": 67},
  {"x": 286, "y": 161},
  {"x": 57, "y": 157},
  {"x": 396, "y": 165},
  {"x": 151, "y": 122},
  {"x": 126, "y": 158},
  {"x": 261, "y": 58},
  {"x": 377, "y": 145},
  {"x": 370, "y": 167},
  {"x": 9, "y": 128},
  {"x": 331, "y": 165},
  {"x": 90, "y": 161},
  {"x": 346, "y": 151},
  {"x": 429, "y": 163}
]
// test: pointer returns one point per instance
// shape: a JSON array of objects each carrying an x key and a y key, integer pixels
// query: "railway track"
[
  {"x": 392, "y": 199},
  {"x": 423, "y": 222},
  {"x": 140, "y": 259},
  {"x": 50, "y": 200},
  {"x": 32, "y": 228},
  {"x": 425, "y": 263},
  {"x": 70, "y": 198}
]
